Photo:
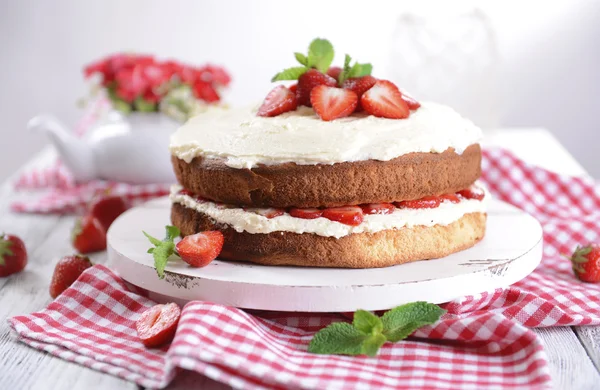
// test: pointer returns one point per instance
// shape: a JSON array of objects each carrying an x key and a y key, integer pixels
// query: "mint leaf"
[
  {"x": 320, "y": 54},
  {"x": 338, "y": 338},
  {"x": 163, "y": 249},
  {"x": 372, "y": 344},
  {"x": 356, "y": 70},
  {"x": 401, "y": 321},
  {"x": 301, "y": 58},
  {"x": 367, "y": 322},
  {"x": 290, "y": 73}
]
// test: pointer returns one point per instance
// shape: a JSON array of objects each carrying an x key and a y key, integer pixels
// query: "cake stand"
[{"x": 511, "y": 249}]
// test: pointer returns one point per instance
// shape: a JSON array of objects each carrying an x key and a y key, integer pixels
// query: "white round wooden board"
[{"x": 511, "y": 249}]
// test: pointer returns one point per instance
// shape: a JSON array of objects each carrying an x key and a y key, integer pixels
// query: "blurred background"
[{"x": 504, "y": 64}]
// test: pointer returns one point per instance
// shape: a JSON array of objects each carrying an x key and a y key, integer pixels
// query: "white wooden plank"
[
  {"x": 590, "y": 338},
  {"x": 570, "y": 366}
]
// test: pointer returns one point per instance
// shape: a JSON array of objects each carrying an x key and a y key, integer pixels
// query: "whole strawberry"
[
  {"x": 586, "y": 263},
  {"x": 13, "y": 255},
  {"x": 107, "y": 208},
  {"x": 66, "y": 272},
  {"x": 88, "y": 235}
]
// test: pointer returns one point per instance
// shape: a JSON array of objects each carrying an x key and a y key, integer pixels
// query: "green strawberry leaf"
[
  {"x": 143, "y": 105},
  {"x": 338, "y": 338},
  {"x": 401, "y": 321},
  {"x": 5, "y": 250},
  {"x": 367, "y": 322},
  {"x": 121, "y": 105},
  {"x": 320, "y": 54},
  {"x": 163, "y": 249},
  {"x": 301, "y": 58},
  {"x": 372, "y": 344},
  {"x": 290, "y": 73}
]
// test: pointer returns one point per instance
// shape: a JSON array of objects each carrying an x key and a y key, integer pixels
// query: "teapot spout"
[{"x": 75, "y": 153}]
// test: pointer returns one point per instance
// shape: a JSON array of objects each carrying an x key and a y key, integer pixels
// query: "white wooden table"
[{"x": 574, "y": 352}]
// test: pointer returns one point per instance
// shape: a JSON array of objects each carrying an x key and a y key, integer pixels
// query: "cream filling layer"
[
  {"x": 243, "y": 140},
  {"x": 246, "y": 221}
]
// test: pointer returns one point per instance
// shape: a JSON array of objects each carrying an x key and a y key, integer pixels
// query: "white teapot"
[{"x": 132, "y": 148}]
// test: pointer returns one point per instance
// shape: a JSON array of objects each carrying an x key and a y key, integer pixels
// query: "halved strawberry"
[
  {"x": 293, "y": 88},
  {"x": 359, "y": 85},
  {"x": 186, "y": 192},
  {"x": 268, "y": 212},
  {"x": 378, "y": 208},
  {"x": 278, "y": 101},
  {"x": 88, "y": 235},
  {"x": 199, "y": 249},
  {"x": 334, "y": 72},
  {"x": 472, "y": 192},
  {"x": 310, "y": 213},
  {"x": 332, "y": 103},
  {"x": 385, "y": 100},
  {"x": 348, "y": 215},
  {"x": 410, "y": 101},
  {"x": 310, "y": 79},
  {"x": 450, "y": 197},
  {"x": 428, "y": 202},
  {"x": 157, "y": 325}
]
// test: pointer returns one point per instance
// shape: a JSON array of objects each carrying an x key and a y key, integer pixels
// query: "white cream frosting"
[
  {"x": 243, "y": 139},
  {"x": 247, "y": 221}
]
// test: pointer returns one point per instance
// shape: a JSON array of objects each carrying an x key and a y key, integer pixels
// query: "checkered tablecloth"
[{"x": 484, "y": 341}]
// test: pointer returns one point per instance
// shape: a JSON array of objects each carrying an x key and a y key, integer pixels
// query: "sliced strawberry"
[
  {"x": 107, "y": 208},
  {"x": 66, "y": 272},
  {"x": 410, "y": 101},
  {"x": 428, "y": 202},
  {"x": 378, "y": 208},
  {"x": 450, "y": 197},
  {"x": 385, "y": 100},
  {"x": 359, "y": 85},
  {"x": 348, "y": 215},
  {"x": 332, "y": 103},
  {"x": 334, "y": 72},
  {"x": 278, "y": 101},
  {"x": 88, "y": 235},
  {"x": 157, "y": 325},
  {"x": 268, "y": 212},
  {"x": 186, "y": 192},
  {"x": 472, "y": 192},
  {"x": 293, "y": 88},
  {"x": 310, "y": 79},
  {"x": 306, "y": 213},
  {"x": 199, "y": 249}
]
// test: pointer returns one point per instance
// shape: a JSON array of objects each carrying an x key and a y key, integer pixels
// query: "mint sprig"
[
  {"x": 368, "y": 332},
  {"x": 163, "y": 249},
  {"x": 320, "y": 56},
  {"x": 356, "y": 70}
]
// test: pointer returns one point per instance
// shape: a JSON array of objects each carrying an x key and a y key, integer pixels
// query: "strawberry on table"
[
  {"x": 88, "y": 235},
  {"x": 199, "y": 249},
  {"x": 348, "y": 215},
  {"x": 359, "y": 85},
  {"x": 107, "y": 208},
  {"x": 378, "y": 208},
  {"x": 385, "y": 100},
  {"x": 308, "y": 213},
  {"x": 66, "y": 272},
  {"x": 586, "y": 263},
  {"x": 308, "y": 81},
  {"x": 278, "y": 101},
  {"x": 157, "y": 325},
  {"x": 13, "y": 255},
  {"x": 427, "y": 202},
  {"x": 332, "y": 103}
]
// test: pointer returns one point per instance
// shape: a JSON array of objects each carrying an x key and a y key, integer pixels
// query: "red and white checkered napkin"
[
  {"x": 482, "y": 342},
  {"x": 60, "y": 194}
]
